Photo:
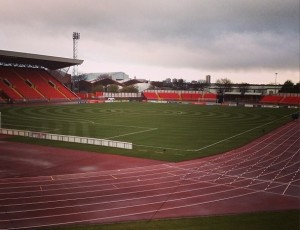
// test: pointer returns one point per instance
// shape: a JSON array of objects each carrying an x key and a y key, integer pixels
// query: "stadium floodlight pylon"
[{"x": 76, "y": 37}]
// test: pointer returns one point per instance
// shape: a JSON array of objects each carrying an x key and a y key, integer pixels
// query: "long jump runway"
[{"x": 261, "y": 176}]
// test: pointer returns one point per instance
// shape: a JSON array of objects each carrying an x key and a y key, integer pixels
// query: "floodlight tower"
[
  {"x": 76, "y": 37},
  {"x": 275, "y": 82}
]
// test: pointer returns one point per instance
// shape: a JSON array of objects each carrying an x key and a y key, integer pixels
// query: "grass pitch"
[
  {"x": 170, "y": 132},
  {"x": 249, "y": 221}
]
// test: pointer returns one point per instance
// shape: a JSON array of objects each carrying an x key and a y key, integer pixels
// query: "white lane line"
[
  {"x": 192, "y": 182},
  {"x": 134, "y": 213},
  {"x": 284, "y": 167},
  {"x": 97, "y": 174},
  {"x": 176, "y": 169},
  {"x": 135, "y": 198},
  {"x": 231, "y": 189},
  {"x": 292, "y": 180},
  {"x": 114, "y": 186},
  {"x": 242, "y": 151},
  {"x": 95, "y": 183},
  {"x": 151, "y": 179},
  {"x": 156, "y": 188},
  {"x": 235, "y": 157}
]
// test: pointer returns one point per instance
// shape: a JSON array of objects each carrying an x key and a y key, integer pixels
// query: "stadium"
[{"x": 143, "y": 160}]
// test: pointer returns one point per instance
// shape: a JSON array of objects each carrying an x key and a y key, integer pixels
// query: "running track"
[{"x": 261, "y": 176}]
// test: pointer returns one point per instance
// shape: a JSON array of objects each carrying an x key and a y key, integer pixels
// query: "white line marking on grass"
[
  {"x": 239, "y": 134},
  {"x": 218, "y": 142},
  {"x": 128, "y": 134},
  {"x": 37, "y": 127},
  {"x": 159, "y": 147},
  {"x": 127, "y": 126},
  {"x": 44, "y": 129},
  {"x": 64, "y": 120}
]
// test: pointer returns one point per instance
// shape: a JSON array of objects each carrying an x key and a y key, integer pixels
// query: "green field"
[
  {"x": 170, "y": 132},
  {"x": 285, "y": 220}
]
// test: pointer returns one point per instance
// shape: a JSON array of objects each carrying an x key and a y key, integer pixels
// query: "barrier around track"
[{"x": 67, "y": 138}]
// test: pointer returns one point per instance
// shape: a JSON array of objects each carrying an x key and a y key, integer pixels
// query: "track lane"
[{"x": 263, "y": 175}]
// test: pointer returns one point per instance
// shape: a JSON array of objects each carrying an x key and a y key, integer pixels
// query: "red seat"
[
  {"x": 19, "y": 84},
  {"x": 10, "y": 92},
  {"x": 169, "y": 96},
  {"x": 33, "y": 84},
  {"x": 210, "y": 97},
  {"x": 290, "y": 100},
  {"x": 272, "y": 99},
  {"x": 150, "y": 96},
  {"x": 191, "y": 96}
]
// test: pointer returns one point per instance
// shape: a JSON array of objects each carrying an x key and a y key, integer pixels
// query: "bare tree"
[
  {"x": 224, "y": 85},
  {"x": 244, "y": 88},
  {"x": 287, "y": 87},
  {"x": 103, "y": 76},
  {"x": 129, "y": 89},
  {"x": 98, "y": 88},
  {"x": 113, "y": 88},
  {"x": 77, "y": 79}
]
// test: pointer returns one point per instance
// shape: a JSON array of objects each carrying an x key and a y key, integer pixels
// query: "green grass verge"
[
  {"x": 169, "y": 132},
  {"x": 285, "y": 220}
]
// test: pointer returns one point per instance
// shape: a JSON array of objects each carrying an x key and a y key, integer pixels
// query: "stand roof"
[{"x": 26, "y": 59}]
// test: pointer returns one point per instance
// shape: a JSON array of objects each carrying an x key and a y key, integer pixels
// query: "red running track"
[{"x": 261, "y": 176}]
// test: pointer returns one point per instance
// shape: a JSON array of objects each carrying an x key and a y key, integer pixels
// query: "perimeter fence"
[{"x": 67, "y": 138}]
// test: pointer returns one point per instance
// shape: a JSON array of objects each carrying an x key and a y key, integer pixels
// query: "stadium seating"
[
  {"x": 98, "y": 94},
  {"x": 290, "y": 100},
  {"x": 180, "y": 96},
  {"x": 10, "y": 92},
  {"x": 151, "y": 95},
  {"x": 271, "y": 99},
  {"x": 191, "y": 96},
  {"x": 59, "y": 87},
  {"x": 20, "y": 85},
  {"x": 41, "y": 84},
  {"x": 209, "y": 97},
  {"x": 169, "y": 96},
  {"x": 26, "y": 84}
]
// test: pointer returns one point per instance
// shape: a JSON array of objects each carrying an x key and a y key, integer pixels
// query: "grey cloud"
[{"x": 220, "y": 34}]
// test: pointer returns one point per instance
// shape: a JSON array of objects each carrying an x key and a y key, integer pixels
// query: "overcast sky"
[{"x": 243, "y": 40}]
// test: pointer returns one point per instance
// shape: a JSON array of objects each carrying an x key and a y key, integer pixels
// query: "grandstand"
[
  {"x": 292, "y": 100},
  {"x": 173, "y": 95},
  {"x": 34, "y": 78},
  {"x": 208, "y": 97},
  {"x": 281, "y": 99},
  {"x": 272, "y": 99},
  {"x": 26, "y": 78}
]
